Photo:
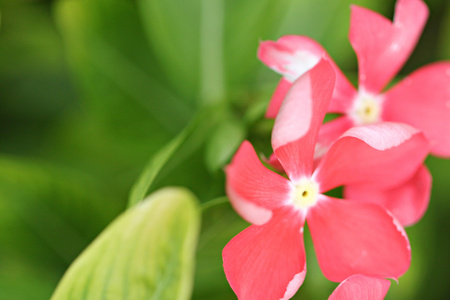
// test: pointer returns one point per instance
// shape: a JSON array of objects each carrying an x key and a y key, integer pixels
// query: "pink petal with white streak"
[
  {"x": 383, "y": 47},
  {"x": 268, "y": 261},
  {"x": 296, "y": 126},
  {"x": 292, "y": 56},
  {"x": 407, "y": 202},
  {"x": 357, "y": 238},
  {"x": 361, "y": 287},
  {"x": 423, "y": 101},
  {"x": 254, "y": 190},
  {"x": 381, "y": 155}
]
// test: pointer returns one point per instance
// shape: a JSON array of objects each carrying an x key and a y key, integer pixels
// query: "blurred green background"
[{"x": 91, "y": 89}]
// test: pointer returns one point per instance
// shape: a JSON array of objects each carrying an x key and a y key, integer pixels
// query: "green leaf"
[
  {"x": 114, "y": 65},
  {"x": 154, "y": 166},
  {"x": 223, "y": 143},
  {"x": 172, "y": 28},
  {"x": 220, "y": 224},
  {"x": 146, "y": 253},
  {"x": 127, "y": 109},
  {"x": 186, "y": 142},
  {"x": 36, "y": 198},
  {"x": 48, "y": 215}
]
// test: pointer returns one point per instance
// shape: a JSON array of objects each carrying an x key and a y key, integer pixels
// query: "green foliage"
[
  {"x": 48, "y": 215},
  {"x": 128, "y": 111},
  {"x": 444, "y": 32},
  {"x": 182, "y": 146},
  {"x": 223, "y": 143},
  {"x": 220, "y": 224},
  {"x": 154, "y": 166},
  {"x": 173, "y": 30},
  {"x": 146, "y": 253},
  {"x": 114, "y": 61}
]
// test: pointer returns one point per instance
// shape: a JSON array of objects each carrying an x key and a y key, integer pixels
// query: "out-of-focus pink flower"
[
  {"x": 408, "y": 202},
  {"x": 361, "y": 287},
  {"x": 421, "y": 100},
  {"x": 267, "y": 260}
]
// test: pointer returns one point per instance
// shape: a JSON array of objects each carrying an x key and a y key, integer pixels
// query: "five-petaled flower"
[
  {"x": 267, "y": 260},
  {"x": 421, "y": 100}
]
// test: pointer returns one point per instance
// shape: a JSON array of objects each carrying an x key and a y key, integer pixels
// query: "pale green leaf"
[{"x": 146, "y": 253}]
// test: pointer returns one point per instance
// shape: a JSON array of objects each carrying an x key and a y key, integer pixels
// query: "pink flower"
[
  {"x": 421, "y": 100},
  {"x": 361, "y": 287},
  {"x": 267, "y": 260},
  {"x": 408, "y": 202}
]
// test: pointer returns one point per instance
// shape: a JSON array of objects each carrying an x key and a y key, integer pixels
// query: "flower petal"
[
  {"x": 254, "y": 190},
  {"x": 277, "y": 98},
  {"x": 382, "y": 47},
  {"x": 357, "y": 238},
  {"x": 361, "y": 287},
  {"x": 380, "y": 155},
  {"x": 423, "y": 101},
  {"x": 292, "y": 56},
  {"x": 329, "y": 132},
  {"x": 407, "y": 202},
  {"x": 296, "y": 126},
  {"x": 268, "y": 261},
  {"x": 275, "y": 163}
]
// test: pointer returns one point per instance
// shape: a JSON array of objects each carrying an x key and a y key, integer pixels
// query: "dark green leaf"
[
  {"x": 190, "y": 139},
  {"x": 223, "y": 143},
  {"x": 220, "y": 224},
  {"x": 114, "y": 64},
  {"x": 172, "y": 28}
]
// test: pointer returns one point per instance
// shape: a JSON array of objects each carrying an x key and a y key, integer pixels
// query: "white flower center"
[
  {"x": 366, "y": 109},
  {"x": 304, "y": 193}
]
